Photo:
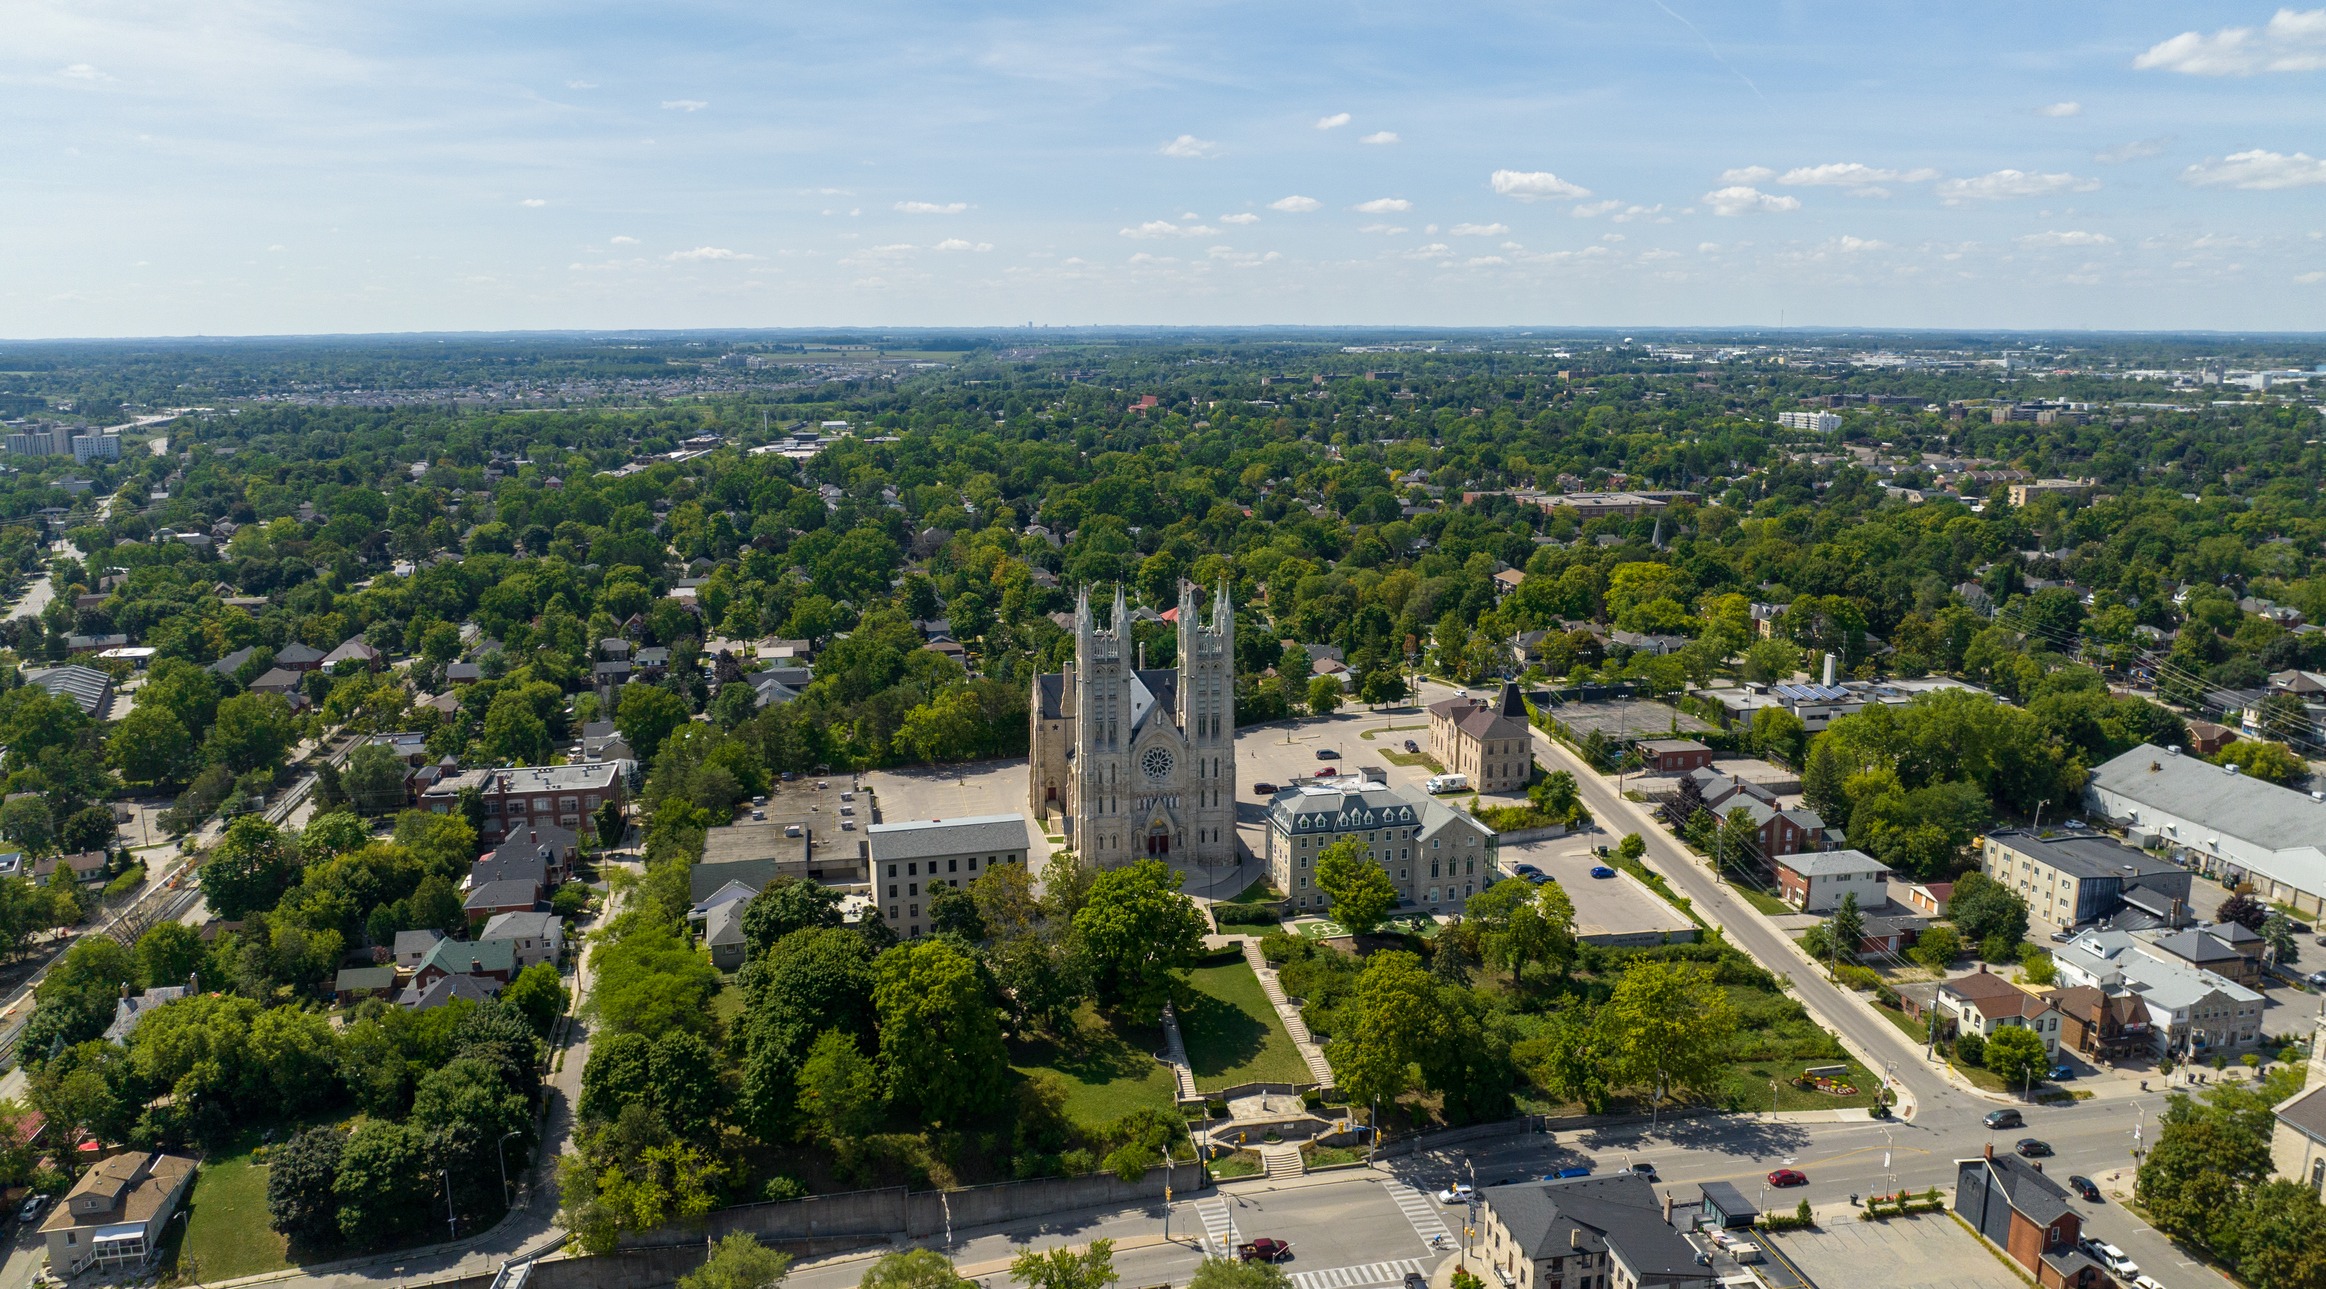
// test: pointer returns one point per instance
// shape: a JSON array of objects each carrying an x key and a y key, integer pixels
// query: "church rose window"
[{"x": 1156, "y": 763}]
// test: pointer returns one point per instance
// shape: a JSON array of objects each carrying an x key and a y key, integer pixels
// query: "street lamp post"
[{"x": 501, "y": 1149}]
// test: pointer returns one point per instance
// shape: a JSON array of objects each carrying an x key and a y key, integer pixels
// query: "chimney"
[
  {"x": 1574, "y": 1237},
  {"x": 476, "y": 966},
  {"x": 1667, "y": 1208},
  {"x": 2038, "y": 1165},
  {"x": 1990, "y": 1150},
  {"x": 1829, "y": 668}
]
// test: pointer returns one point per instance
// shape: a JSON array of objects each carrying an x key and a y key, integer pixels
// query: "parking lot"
[
  {"x": 1925, "y": 1252},
  {"x": 1614, "y": 911},
  {"x": 1639, "y": 718},
  {"x": 955, "y": 792}
]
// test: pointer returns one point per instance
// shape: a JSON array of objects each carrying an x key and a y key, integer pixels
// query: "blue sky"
[{"x": 241, "y": 166}]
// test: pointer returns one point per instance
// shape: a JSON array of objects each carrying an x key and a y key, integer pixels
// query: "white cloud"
[
  {"x": 1741, "y": 199},
  {"x": 2293, "y": 41},
  {"x": 1593, "y": 209},
  {"x": 2133, "y": 151},
  {"x": 714, "y": 253},
  {"x": 932, "y": 207},
  {"x": 1165, "y": 228},
  {"x": 1483, "y": 261},
  {"x": 957, "y": 244},
  {"x": 1659, "y": 254},
  {"x": 2257, "y": 170},
  {"x": 82, "y": 72},
  {"x": 2060, "y": 109},
  {"x": 1850, "y": 174},
  {"x": 1480, "y": 230},
  {"x": 1333, "y": 122},
  {"x": 1382, "y": 206},
  {"x": 1190, "y": 147},
  {"x": 1240, "y": 217},
  {"x": 1380, "y": 136},
  {"x": 2311, "y": 278},
  {"x": 2066, "y": 237},
  {"x": 1535, "y": 185},
  {"x": 533, "y": 201},
  {"x": 1747, "y": 175},
  {"x": 1853, "y": 245},
  {"x": 2003, "y": 184},
  {"x": 1295, "y": 205},
  {"x": 1387, "y": 230},
  {"x": 623, "y": 240},
  {"x": 683, "y": 105},
  {"x": 1433, "y": 251}
]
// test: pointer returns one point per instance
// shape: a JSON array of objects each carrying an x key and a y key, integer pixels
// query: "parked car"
[
  {"x": 2317, "y": 979},
  {"x": 1458, "y": 1193},
  {"x": 1412, "y": 746},
  {"x": 2032, "y": 1147},
  {"x": 759, "y": 815},
  {"x": 1645, "y": 1169},
  {"x": 2118, "y": 1263},
  {"x": 2085, "y": 1187},
  {"x": 1326, "y": 772},
  {"x": 1788, "y": 1177},
  {"x": 1264, "y": 789},
  {"x": 2005, "y": 1119},
  {"x": 2059, "y": 1072},
  {"x": 1416, "y": 1280},
  {"x": 1264, "y": 1249},
  {"x": 1570, "y": 1172},
  {"x": 1327, "y": 754},
  {"x": 1602, "y": 870},
  {"x": 1530, "y": 873},
  {"x": 31, "y": 1210},
  {"x": 2147, "y": 1282}
]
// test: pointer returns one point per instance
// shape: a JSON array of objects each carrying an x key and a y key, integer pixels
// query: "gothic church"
[{"x": 1141, "y": 762}]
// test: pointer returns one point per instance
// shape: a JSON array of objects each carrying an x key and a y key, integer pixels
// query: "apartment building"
[
  {"x": 2077, "y": 878},
  {"x": 566, "y": 796},
  {"x": 913, "y": 860},
  {"x": 1437, "y": 856}
]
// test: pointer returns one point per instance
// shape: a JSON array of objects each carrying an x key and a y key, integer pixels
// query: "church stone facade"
[{"x": 1141, "y": 763}]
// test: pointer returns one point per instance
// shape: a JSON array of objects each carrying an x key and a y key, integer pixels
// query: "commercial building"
[
  {"x": 1674, "y": 756},
  {"x": 2191, "y": 1013},
  {"x": 1814, "y": 422},
  {"x": 1488, "y": 741},
  {"x": 563, "y": 795},
  {"x": 115, "y": 1215},
  {"x": 96, "y": 447},
  {"x": 1609, "y": 1232},
  {"x": 90, "y": 689},
  {"x": 912, "y": 861},
  {"x": 2071, "y": 489},
  {"x": 2228, "y": 825},
  {"x": 2297, "y": 1144},
  {"x": 2025, "y": 1214},
  {"x": 2077, "y": 878},
  {"x": 1436, "y": 856}
]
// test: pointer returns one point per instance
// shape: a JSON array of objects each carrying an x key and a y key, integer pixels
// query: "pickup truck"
[{"x": 1264, "y": 1250}]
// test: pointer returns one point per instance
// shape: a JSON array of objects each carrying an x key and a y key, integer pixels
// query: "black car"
[
  {"x": 2084, "y": 1186},
  {"x": 1327, "y": 754},
  {"x": 2032, "y": 1147},
  {"x": 1412, "y": 746},
  {"x": 2005, "y": 1119},
  {"x": 1264, "y": 789}
]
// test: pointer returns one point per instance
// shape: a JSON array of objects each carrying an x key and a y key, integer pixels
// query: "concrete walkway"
[
  {"x": 1318, "y": 1067},
  {"x": 1174, "y": 1054}
]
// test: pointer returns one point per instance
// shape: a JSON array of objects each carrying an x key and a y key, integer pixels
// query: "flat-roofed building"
[
  {"x": 2228, "y": 825},
  {"x": 914, "y": 859},
  {"x": 2076, "y": 878}
]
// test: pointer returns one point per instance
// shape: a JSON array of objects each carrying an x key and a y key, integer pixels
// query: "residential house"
[
  {"x": 2207, "y": 738},
  {"x": 413, "y": 947},
  {"x": 1612, "y": 1232},
  {"x": 2191, "y": 1012},
  {"x": 1506, "y": 581},
  {"x": 2010, "y": 1202},
  {"x": 299, "y": 657},
  {"x": 1818, "y": 881},
  {"x": 115, "y": 1215},
  {"x": 1488, "y": 741},
  {"x": 85, "y": 866},
  {"x": 1985, "y": 1002},
  {"x": 130, "y": 1010},
  {"x": 512, "y": 863},
  {"x": 283, "y": 681},
  {"x": 492, "y": 899},
  {"x": 723, "y": 935},
  {"x": 2074, "y": 879},
  {"x": 2103, "y": 1023},
  {"x": 2233, "y": 954},
  {"x": 448, "y": 989},
  {"x": 352, "y": 650},
  {"x": 353, "y": 984},
  {"x": 538, "y": 935},
  {"x": 563, "y": 795},
  {"x": 1890, "y": 931},
  {"x": 487, "y": 960},
  {"x": 1779, "y": 831}
]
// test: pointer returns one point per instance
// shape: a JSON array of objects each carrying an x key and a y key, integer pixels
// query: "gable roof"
[
  {"x": 532, "y": 925},
  {"x": 1618, "y": 1214},
  {"x": 503, "y": 895},
  {"x": 419, "y": 942},
  {"x": 920, "y": 838},
  {"x": 2029, "y": 1192},
  {"x": 724, "y": 924},
  {"x": 445, "y": 989},
  {"x": 456, "y": 957}
]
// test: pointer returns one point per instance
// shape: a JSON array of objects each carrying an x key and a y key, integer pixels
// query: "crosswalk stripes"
[
  {"x": 1219, "y": 1226},
  {"x": 1365, "y": 1277},
  {"x": 1419, "y": 1209}
]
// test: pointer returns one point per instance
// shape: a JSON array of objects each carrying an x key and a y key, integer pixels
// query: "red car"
[
  {"x": 1788, "y": 1177},
  {"x": 1264, "y": 1250}
]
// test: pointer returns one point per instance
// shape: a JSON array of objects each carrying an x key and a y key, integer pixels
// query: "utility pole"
[{"x": 450, "y": 1219}]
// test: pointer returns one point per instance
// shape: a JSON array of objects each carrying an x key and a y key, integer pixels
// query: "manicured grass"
[
  {"x": 1243, "y": 1163},
  {"x": 1259, "y": 892},
  {"x": 1233, "y": 1035},
  {"x": 1392, "y": 729},
  {"x": 1763, "y": 901},
  {"x": 1107, "y": 1073},
  {"x": 226, "y": 1223},
  {"x": 1409, "y": 759},
  {"x": 1748, "y": 1086},
  {"x": 1331, "y": 1156},
  {"x": 727, "y": 1004}
]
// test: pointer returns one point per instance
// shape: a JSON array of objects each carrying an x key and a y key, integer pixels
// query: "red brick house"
[{"x": 2009, "y": 1201}]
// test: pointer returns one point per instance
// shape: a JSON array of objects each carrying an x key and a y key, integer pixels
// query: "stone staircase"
[
  {"x": 1282, "y": 1160},
  {"x": 1174, "y": 1054},
  {"x": 1318, "y": 1068}
]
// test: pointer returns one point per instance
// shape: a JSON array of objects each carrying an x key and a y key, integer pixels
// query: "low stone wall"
[{"x": 1520, "y": 836}]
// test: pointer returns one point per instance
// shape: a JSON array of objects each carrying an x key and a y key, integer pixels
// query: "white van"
[{"x": 1446, "y": 783}]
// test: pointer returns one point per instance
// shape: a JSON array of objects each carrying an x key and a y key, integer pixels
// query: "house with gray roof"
[
  {"x": 1435, "y": 855},
  {"x": 2228, "y": 825},
  {"x": 90, "y": 689},
  {"x": 2027, "y": 1217},
  {"x": 130, "y": 1010},
  {"x": 723, "y": 935},
  {"x": 2191, "y": 1012},
  {"x": 495, "y": 898},
  {"x": 1611, "y": 1230},
  {"x": 413, "y": 947},
  {"x": 539, "y": 936},
  {"x": 447, "y": 989},
  {"x": 1817, "y": 881}
]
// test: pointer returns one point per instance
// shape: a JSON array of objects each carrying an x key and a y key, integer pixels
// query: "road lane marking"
[
  {"x": 1219, "y": 1226},
  {"x": 1365, "y": 1277},
  {"x": 1419, "y": 1209}
]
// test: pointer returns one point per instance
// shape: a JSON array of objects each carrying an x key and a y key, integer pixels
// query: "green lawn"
[
  {"x": 1233, "y": 1035},
  {"x": 1766, "y": 903},
  {"x": 1259, "y": 892},
  {"x": 1107, "y": 1073},
  {"x": 226, "y": 1223},
  {"x": 1748, "y": 1086}
]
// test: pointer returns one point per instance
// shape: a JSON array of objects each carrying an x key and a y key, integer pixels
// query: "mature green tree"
[
  {"x": 2015, "y": 1054},
  {"x": 1134, "y": 931},
  {"x": 27, "y": 821},
  {"x": 538, "y": 994},
  {"x": 1563, "y": 1060},
  {"x": 333, "y": 833},
  {"x": 650, "y": 979},
  {"x": 389, "y": 1183},
  {"x": 940, "y": 1033},
  {"x": 840, "y": 1096},
  {"x": 618, "y": 1074},
  {"x": 1360, "y": 889},
  {"x": 252, "y": 732},
  {"x": 1392, "y": 1017},
  {"x": 1667, "y": 1028},
  {"x": 300, "y": 1174},
  {"x": 86, "y": 829},
  {"x": 646, "y": 715},
  {"x": 1937, "y": 947},
  {"x": 2277, "y": 936},
  {"x": 1234, "y": 1273},
  {"x": 249, "y": 868},
  {"x": 514, "y": 733},
  {"x": 739, "y": 1261},
  {"x": 2205, "y": 1155},
  {"x": 2276, "y": 1237},
  {"x": 1984, "y": 909},
  {"x": 1821, "y": 783},
  {"x": 152, "y": 746},
  {"x": 1845, "y": 930},
  {"x": 954, "y": 912},
  {"x": 1324, "y": 695},
  {"x": 1063, "y": 1268},
  {"x": 913, "y": 1269},
  {"x": 374, "y": 779},
  {"x": 788, "y": 904},
  {"x": 2269, "y": 762}
]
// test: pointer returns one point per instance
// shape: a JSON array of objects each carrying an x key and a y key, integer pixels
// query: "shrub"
[
  {"x": 130, "y": 879},
  {"x": 1970, "y": 1047},
  {"x": 1859, "y": 978},
  {"x": 782, "y": 1188},
  {"x": 1279, "y": 948},
  {"x": 1227, "y": 915},
  {"x": 570, "y": 899}
]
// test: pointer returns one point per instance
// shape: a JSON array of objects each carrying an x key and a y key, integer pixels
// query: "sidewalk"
[{"x": 1318, "y": 1067}]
